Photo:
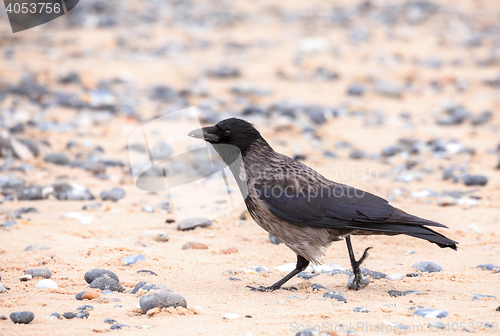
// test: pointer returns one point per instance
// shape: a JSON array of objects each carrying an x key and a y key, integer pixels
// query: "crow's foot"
[{"x": 271, "y": 288}]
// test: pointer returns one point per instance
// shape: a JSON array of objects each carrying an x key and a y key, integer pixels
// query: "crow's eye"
[{"x": 227, "y": 133}]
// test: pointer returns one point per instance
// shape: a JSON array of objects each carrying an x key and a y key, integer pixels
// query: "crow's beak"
[{"x": 205, "y": 133}]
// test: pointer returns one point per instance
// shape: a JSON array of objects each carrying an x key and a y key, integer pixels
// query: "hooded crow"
[{"x": 302, "y": 208}]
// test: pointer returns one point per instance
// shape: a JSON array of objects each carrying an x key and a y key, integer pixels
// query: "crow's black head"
[{"x": 232, "y": 131}]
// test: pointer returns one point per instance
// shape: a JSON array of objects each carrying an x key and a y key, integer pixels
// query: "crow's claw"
[{"x": 262, "y": 289}]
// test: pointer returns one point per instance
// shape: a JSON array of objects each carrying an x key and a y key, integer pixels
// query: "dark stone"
[
  {"x": 85, "y": 307},
  {"x": 357, "y": 155},
  {"x": 431, "y": 313},
  {"x": 391, "y": 151},
  {"x": 306, "y": 275},
  {"x": 488, "y": 267},
  {"x": 427, "y": 266},
  {"x": 482, "y": 118},
  {"x": 57, "y": 158},
  {"x": 32, "y": 192},
  {"x": 224, "y": 72},
  {"x": 82, "y": 314},
  {"x": 23, "y": 317},
  {"x": 109, "y": 321},
  {"x": 475, "y": 180},
  {"x": 163, "y": 92},
  {"x": 39, "y": 273},
  {"x": 413, "y": 275},
  {"x": 317, "y": 287},
  {"x": 69, "y": 315},
  {"x": 234, "y": 279},
  {"x": 356, "y": 90},
  {"x": 138, "y": 286},
  {"x": 56, "y": 315},
  {"x": 118, "y": 326},
  {"x": 161, "y": 299},
  {"x": 454, "y": 115},
  {"x": 335, "y": 295},
  {"x": 99, "y": 272},
  {"x": 104, "y": 283},
  {"x": 396, "y": 293},
  {"x": 79, "y": 296}
]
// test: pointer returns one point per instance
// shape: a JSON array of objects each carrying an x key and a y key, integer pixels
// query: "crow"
[{"x": 302, "y": 208}]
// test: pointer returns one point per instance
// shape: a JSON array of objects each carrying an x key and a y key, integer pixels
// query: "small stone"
[
  {"x": 234, "y": 279},
  {"x": 132, "y": 259},
  {"x": 90, "y": 295},
  {"x": 306, "y": 275},
  {"x": 114, "y": 194},
  {"x": 151, "y": 286},
  {"x": 431, "y": 313},
  {"x": 360, "y": 310},
  {"x": 82, "y": 314},
  {"x": 39, "y": 273},
  {"x": 317, "y": 287},
  {"x": 105, "y": 283},
  {"x": 85, "y": 307},
  {"x": 413, "y": 275},
  {"x": 427, "y": 266},
  {"x": 109, "y": 320},
  {"x": 23, "y": 317},
  {"x": 435, "y": 326},
  {"x": 118, "y": 326},
  {"x": 274, "y": 240},
  {"x": 138, "y": 286},
  {"x": 229, "y": 250},
  {"x": 482, "y": 296},
  {"x": 157, "y": 235},
  {"x": 357, "y": 155},
  {"x": 55, "y": 315},
  {"x": 26, "y": 277},
  {"x": 57, "y": 158},
  {"x": 37, "y": 248},
  {"x": 335, "y": 295},
  {"x": 99, "y": 272},
  {"x": 69, "y": 315},
  {"x": 148, "y": 208},
  {"x": 193, "y": 223},
  {"x": 488, "y": 267},
  {"x": 409, "y": 252},
  {"x": 79, "y": 296},
  {"x": 2, "y": 288},
  {"x": 395, "y": 276},
  {"x": 194, "y": 246},
  {"x": 46, "y": 284},
  {"x": 231, "y": 316},
  {"x": 475, "y": 180},
  {"x": 161, "y": 299},
  {"x": 356, "y": 90}
]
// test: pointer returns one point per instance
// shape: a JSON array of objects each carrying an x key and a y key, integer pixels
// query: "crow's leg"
[
  {"x": 302, "y": 264},
  {"x": 358, "y": 282}
]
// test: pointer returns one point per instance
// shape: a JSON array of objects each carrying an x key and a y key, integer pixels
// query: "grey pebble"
[
  {"x": 475, "y": 180},
  {"x": 83, "y": 314},
  {"x": 105, "y": 283},
  {"x": 114, "y": 194},
  {"x": 69, "y": 315},
  {"x": 39, "y": 273},
  {"x": 138, "y": 286},
  {"x": 118, "y": 326},
  {"x": 147, "y": 286},
  {"x": 37, "y": 248},
  {"x": 234, "y": 279},
  {"x": 161, "y": 299},
  {"x": 317, "y": 287},
  {"x": 306, "y": 275},
  {"x": 431, "y": 313},
  {"x": 335, "y": 295},
  {"x": 109, "y": 320},
  {"x": 99, "y": 272},
  {"x": 396, "y": 293},
  {"x": 434, "y": 326},
  {"x": 481, "y": 296},
  {"x": 79, "y": 296},
  {"x": 488, "y": 267},
  {"x": 364, "y": 282},
  {"x": 193, "y": 223},
  {"x": 413, "y": 275},
  {"x": 7, "y": 225},
  {"x": 57, "y": 158},
  {"x": 360, "y": 310},
  {"x": 23, "y": 317},
  {"x": 132, "y": 259},
  {"x": 85, "y": 307},
  {"x": 357, "y": 155},
  {"x": 274, "y": 240},
  {"x": 56, "y": 315},
  {"x": 356, "y": 90},
  {"x": 427, "y": 266}
]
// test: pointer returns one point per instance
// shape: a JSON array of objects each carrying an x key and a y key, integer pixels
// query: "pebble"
[
  {"x": 357, "y": 155},
  {"x": 306, "y": 275},
  {"x": 158, "y": 236},
  {"x": 360, "y": 310},
  {"x": 105, "y": 283},
  {"x": 194, "y": 246},
  {"x": 413, "y": 275},
  {"x": 475, "y": 180},
  {"x": 46, "y": 284},
  {"x": 85, "y": 307},
  {"x": 90, "y": 295},
  {"x": 82, "y": 314},
  {"x": 431, "y": 313},
  {"x": 427, "y": 266},
  {"x": 55, "y": 315},
  {"x": 79, "y": 296},
  {"x": 99, "y": 272},
  {"x": 39, "y": 273},
  {"x": 132, "y": 259},
  {"x": 274, "y": 240},
  {"x": 69, "y": 315},
  {"x": 193, "y": 223},
  {"x": 57, "y": 158},
  {"x": 148, "y": 208},
  {"x": 7, "y": 225},
  {"x": 114, "y": 194},
  {"x": 37, "y": 248},
  {"x": 118, "y": 326},
  {"x": 335, "y": 295},
  {"x": 356, "y": 90},
  {"x": 23, "y": 317},
  {"x": 26, "y": 277},
  {"x": 138, "y": 286},
  {"x": 2, "y": 288},
  {"x": 482, "y": 296},
  {"x": 435, "y": 326},
  {"x": 161, "y": 299},
  {"x": 395, "y": 276},
  {"x": 488, "y": 267},
  {"x": 231, "y": 316},
  {"x": 109, "y": 320},
  {"x": 396, "y": 293},
  {"x": 364, "y": 282}
]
